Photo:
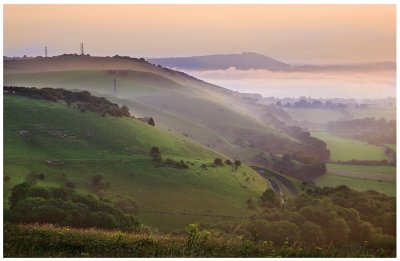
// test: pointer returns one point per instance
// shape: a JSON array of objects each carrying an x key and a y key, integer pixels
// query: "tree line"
[
  {"x": 82, "y": 99},
  {"x": 369, "y": 130}
]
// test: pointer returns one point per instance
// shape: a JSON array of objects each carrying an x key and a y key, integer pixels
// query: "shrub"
[
  {"x": 218, "y": 162},
  {"x": 98, "y": 182},
  {"x": 155, "y": 154},
  {"x": 237, "y": 163},
  {"x": 151, "y": 121},
  {"x": 70, "y": 184}
]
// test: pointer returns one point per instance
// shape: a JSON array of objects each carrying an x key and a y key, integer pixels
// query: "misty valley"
[{"x": 125, "y": 157}]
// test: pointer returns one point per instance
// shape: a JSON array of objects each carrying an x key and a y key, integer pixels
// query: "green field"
[
  {"x": 66, "y": 144},
  {"x": 380, "y": 173},
  {"x": 332, "y": 180},
  {"x": 314, "y": 115},
  {"x": 348, "y": 149},
  {"x": 391, "y": 146}
]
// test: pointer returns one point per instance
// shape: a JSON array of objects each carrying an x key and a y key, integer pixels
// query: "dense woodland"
[
  {"x": 304, "y": 160},
  {"x": 369, "y": 130}
]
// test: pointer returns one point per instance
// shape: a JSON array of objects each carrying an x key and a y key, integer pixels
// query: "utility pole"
[
  {"x": 115, "y": 85},
  {"x": 82, "y": 50},
  {"x": 45, "y": 51}
]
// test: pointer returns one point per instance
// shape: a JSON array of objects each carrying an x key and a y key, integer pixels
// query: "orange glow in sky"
[{"x": 291, "y": 33}]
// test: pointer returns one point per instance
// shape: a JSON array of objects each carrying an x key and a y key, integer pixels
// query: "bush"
[
  {"x": 237, "y": 163},
  {"x": 98, "y": 182},
  {"x": 70, "y": 184},
  {"x": 218, "y": 162},
  {"x": 155, "y": 154},
  {"x": 151, "y": 122}
]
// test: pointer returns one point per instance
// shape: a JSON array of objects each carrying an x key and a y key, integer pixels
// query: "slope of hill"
[
  {"x": 243, "y": 61},
  {"x": 208, "y": 114},
  {"x": 70, "y": 146}
]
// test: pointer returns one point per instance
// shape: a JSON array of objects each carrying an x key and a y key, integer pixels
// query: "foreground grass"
[{"x": 51, "y": 241}]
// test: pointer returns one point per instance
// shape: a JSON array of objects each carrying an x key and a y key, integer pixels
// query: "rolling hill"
[
  {"x": 255, "y": 61},
  {"x": 208, "y": 114},
  {"x": 243, "y": 61},
  {"x": 70, "y": 146}
]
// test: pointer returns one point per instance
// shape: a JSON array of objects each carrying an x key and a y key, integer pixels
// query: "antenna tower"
[{"x": 82, "y": 50}]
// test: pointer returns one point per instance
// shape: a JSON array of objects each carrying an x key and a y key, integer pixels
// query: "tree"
[
  {"x": 270, "y": 199},
  {"x": 151, "y": 121},
  {"x": 155, "y": 154},
  {"x": 311, "y": 232},
  {"x": 98, "y": 182},
  {"x": 237, "y": 163},
  {"x": 218, "y": 162},
  {"x": 19, "y": 192}
]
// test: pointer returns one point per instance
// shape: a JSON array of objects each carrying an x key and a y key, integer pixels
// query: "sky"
[{"x": 319, "y": 34}]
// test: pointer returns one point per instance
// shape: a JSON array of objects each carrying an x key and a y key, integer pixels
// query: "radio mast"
[
  {"x": 115, "y": 85},
  {"x": 82, "y": 50}
]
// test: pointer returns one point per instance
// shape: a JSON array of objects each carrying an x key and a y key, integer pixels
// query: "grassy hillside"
[
  {"x": 208, "y": 114},
  {"x": 68, "y": 145},
  {"x": 348, "y": 149},
  {"x": 211, "y": 118}
]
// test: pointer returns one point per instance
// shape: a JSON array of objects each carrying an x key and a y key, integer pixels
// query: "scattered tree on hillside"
[
  {"x": 151, "y": 121},
  {"x": 237, "y": 164},
  {"x": 155, "y": 154},
  {"x": 218, "y": 162}
]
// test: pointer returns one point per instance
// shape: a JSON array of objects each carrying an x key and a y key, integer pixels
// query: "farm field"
[
  {"x": 67, "y": 145},
  {"x": 392, "y": 146},
  {"x": 332, "y": 180},
  {"x": 348, "y": 149},
  {"x": 383, "y": 173}
]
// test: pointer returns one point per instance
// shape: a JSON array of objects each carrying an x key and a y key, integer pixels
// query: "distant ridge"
[
  {"x": 251, "y": 60},
  {"x": 243, "y": 61}
]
